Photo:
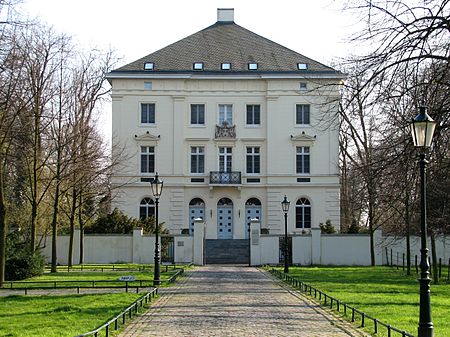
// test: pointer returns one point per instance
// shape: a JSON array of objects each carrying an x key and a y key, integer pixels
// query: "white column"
[
  {"x": 199, "y": 238},
  {"x": 255, "y": 242},
  {"x": 316, "y": 249}
]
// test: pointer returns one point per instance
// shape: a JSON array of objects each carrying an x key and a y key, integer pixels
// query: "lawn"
[
  {"x": 56, "y": 316},
  {"x": 382, "y": 292},
  {"x": 92, "y": 273},
  {"x": 68, "y": 315}
]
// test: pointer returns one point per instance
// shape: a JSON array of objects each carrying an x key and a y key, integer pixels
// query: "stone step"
[{"x": 227, "y": 251}]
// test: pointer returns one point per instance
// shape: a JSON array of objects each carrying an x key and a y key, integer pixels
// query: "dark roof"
[{"x": 226, "y": 42}]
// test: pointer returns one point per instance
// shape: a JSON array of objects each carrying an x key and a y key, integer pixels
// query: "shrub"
[
  {"x": 21, "y": 263},
  {"x": 328, "y": 228}
]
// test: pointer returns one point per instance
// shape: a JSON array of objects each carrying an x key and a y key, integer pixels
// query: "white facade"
[
  {"x": 277, "y": 137},
  {"x": 172, "y": 117}
]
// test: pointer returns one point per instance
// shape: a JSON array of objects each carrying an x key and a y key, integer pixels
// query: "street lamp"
[
  {"x": 157, "y": 186},
  {"x": 285, "y": 207},
  {"x": 422, "y": 129}
]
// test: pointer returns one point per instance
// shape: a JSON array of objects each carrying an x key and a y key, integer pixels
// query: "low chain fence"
[
  {"x": 335, "y": 304},
  {"x": 127, "y": 285},
  {"x": 121, "y": 319},
  {"x": 113, "y": 267}
]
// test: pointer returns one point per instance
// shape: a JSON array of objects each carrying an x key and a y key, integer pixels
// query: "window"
[
  {"x": 225, "y": 114},
  {"x": 147, "y": 159},
  {"x": 302, "y": 159},
  {"x": 253, "y": 115},
  {"x": 198, "y": 66},
  {"x": 303, "y": 86},
  {"x": 302, "y": 112},
  {"x": 197, "y": 114},
  {"x": 148, "y": 113},
  {"x": 146, "y": 208},
  {"x": 149, "y": 66},
  {"x": 303, "y": 213},
  {"x": 302, "y": 66},
  {"x": 226, "y": 66},
  {"x": 253, "y": 66},
  {"x": 225, "y": 157},
  {"x": 197, "y": 159},
  {"x": 253, "y": 160}
]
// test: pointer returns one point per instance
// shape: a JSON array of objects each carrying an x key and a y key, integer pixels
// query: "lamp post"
[
  {"x": 285, "y": 207},
  {"x": 422, "y": 129},
  {"x": 157, "y": 186}
]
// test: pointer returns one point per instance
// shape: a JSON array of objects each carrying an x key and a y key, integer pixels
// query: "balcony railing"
[
  {"x": 225, "y": 131},
  {"x": 225, "y": 178}
]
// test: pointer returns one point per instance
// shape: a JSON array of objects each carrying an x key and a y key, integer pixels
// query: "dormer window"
[
  {"x": 253, "y": 66},
  {"x": 198, "y": 66},
  {"x": 149, "y": 66},
  {"x": 226, "y": 66},
  {"x": 302, "y": 66}
]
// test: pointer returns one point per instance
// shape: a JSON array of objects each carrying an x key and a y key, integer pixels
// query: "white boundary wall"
[{"x": 309, "y": 248}]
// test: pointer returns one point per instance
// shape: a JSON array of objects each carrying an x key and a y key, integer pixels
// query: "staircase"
[{"x": 227, "y": 252}]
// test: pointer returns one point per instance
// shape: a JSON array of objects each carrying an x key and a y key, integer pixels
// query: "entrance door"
[
  {"x": 196, "y": 210},
  {"x": 252, "y": 211},
  {"x": 225, "y": 219}
]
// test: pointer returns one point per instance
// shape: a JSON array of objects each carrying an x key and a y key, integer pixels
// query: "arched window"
[
  {"x": 225, "y": 202},
  {"x": 303, "y": 213},
  {"x": 197, "y": 202},
  {"x": 146, "y": 208},
  {"x": 253, "y": 202}
]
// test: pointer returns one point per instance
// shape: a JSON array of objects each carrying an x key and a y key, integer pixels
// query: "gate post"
[
  {"x": 255, "y": 242},
  {"x": 199, "y": 239}
]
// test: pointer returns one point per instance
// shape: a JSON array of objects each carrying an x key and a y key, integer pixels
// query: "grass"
[
  {"x": 67, "y": 315},
  {"x": 107, "y": 275},
  {"x": 55, "y": 316},
  {"x": 382, "y": 292}
]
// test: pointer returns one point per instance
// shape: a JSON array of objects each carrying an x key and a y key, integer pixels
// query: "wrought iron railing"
[
  {"x": 225, "y": 178},
  {"x": 225, "y": 131}
]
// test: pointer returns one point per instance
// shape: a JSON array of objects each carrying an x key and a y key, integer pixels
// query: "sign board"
[
  {"x": 255, "y": 236},
  {"x": 127, "y": 278}
]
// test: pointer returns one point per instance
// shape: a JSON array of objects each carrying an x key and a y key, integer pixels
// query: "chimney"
[{"x": 225, "y": 14}]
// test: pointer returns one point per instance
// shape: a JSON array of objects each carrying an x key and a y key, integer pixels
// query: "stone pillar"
[
  {"x": 255, "y": 242},
  {"x": 316, "y": 248},
  {"x": 199, "y": 240}
]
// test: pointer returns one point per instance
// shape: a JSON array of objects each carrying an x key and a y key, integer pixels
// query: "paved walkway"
[{"x": 235, "y": 301}]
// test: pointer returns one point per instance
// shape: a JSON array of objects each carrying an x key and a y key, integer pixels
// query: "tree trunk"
[
  {"x": 54, "y": 228},
  {"x": 408, "y": 236},
  {"x": 81, "y": 224},
  {"x": 3, "y": 230},
  {"x": 434, "y": 258},
  {"x": 73, "y": 210}
]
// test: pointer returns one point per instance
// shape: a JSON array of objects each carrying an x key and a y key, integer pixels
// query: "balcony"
[
  {"x": 224, "y": 178},
  {"x": 225, "y": 131}
]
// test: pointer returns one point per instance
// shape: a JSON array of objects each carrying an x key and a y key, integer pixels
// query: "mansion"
[{"x": 231, "y": 122}]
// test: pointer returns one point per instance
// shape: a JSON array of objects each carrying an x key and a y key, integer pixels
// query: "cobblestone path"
[{"x": 235, "y": 301}]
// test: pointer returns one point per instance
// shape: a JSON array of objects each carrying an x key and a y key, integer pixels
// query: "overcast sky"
[{"x": 134, "y": 28}]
